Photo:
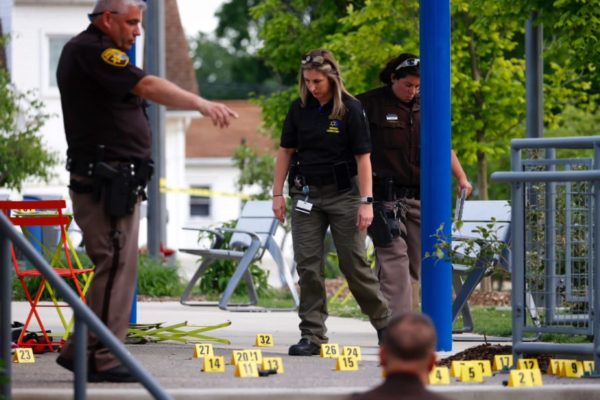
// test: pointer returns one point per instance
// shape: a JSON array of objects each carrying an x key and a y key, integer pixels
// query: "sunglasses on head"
[
  {"x": 409, "y": 62},
  {"x": 319, "y": 60},
  {"x": 94, "y": 15}
]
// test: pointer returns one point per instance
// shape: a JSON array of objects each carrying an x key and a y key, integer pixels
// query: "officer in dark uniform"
[
  {"x": 393, "y": 112},
  {"x": 326, "y": 139},
  {"x": 108, "y": 137}
]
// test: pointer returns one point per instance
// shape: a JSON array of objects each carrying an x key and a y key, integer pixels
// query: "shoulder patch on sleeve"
[{"x": 115, "y": 57}]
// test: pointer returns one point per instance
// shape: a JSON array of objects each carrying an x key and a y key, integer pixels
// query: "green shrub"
[
  {"x": 215, "y": 279},
  {"x": 156, "y": 278},
  {"x": 217, "y": 275}
]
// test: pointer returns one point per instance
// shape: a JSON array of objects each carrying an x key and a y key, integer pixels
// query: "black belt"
[
  {"x": 143, "y": 169},
  {"x": 386, "y": 191},
  {"x": 407, "y": 192}
]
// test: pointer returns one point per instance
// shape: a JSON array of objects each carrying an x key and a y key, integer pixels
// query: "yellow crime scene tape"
[{"x": 199, "y": 192}]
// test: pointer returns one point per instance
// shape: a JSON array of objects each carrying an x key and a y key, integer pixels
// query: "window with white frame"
[
  {"x": 200, "y": 205},
  {"x": 55, "y": 46}
]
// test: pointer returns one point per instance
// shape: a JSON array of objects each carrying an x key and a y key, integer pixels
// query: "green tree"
[
  {"x": 254, "y": 170},
  {"x": 237, "y": 26},
  {"x": 22, "y": 151},
  {"x": 488, "y": 71}
]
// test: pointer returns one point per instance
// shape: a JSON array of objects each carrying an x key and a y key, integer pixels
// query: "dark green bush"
[
  {"x": 215, "y": 278},
  {"x": 156, "y": 278}
]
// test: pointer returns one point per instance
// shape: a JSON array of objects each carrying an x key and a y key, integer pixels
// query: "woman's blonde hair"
[{"x": 323, "y": 61}]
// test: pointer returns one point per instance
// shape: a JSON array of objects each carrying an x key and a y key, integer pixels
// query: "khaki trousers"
[
  {"x": 111, "y": 291},
  {"x": 338, "y": 211},
  {"x": 399, "y": 263}
]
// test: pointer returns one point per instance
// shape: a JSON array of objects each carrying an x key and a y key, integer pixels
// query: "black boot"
[{"x": 304, "y": 348}]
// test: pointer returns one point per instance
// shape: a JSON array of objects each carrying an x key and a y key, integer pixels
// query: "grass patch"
[
  {"x": 488, "y": 321},
  {"x": 350, "y": 309},
  {"x": 273, "y": 298}
]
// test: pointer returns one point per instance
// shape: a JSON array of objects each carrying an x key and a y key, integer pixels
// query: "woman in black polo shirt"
[{"x": 325, "y": 141}]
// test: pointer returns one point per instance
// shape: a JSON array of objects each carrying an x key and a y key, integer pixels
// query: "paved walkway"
[{"x": 305, "y": 377}]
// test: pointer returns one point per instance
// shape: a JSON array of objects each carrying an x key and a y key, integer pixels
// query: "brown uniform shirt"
[
  {"x": 395, "y": 134},
  {"x": 95, "y": 80}
]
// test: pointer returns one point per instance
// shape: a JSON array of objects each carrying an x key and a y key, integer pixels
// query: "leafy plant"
[
  {"x": 254, "y": 170},
  {"x": 156, "y": 278},
  {"x": 22, "y": 151},
  {"x": 217, "y": 275},
  {"x": 484, "y": 244}
]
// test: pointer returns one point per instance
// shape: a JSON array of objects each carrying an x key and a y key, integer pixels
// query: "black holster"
[
  {"x": 123, "y": 185},
  {"x": 385, "y": 226}
]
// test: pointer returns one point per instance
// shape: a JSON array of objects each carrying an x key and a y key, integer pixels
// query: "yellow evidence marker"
[
  {"x": 536, "y": 377},
  {"x": 238, "y": 356},
  {"x": 275, "y": 363},
  {"x": 255, "y": 355},
  {"x": 439, "y": 376},
  {"x": 456, "y": 368},
  {"x": 23, "y": 355},
  {"x": 571, "y": 369},
  {"x": 246, "y": 369},
  {"x": 555, "y": 366},
  {"x": 264, "y": 340},
  {"x": 203, "y": 350},
  {"x": 330, "y": 350},
  {"x": 503, "y": 362},
  {"x": 523, "y": 377},
  {"x": 214, "y": 364},
  {"x": 588, "y": 367},
  {"x": 353, "y": 351},
  {"x": 471, "y": 372},
  {"x": 528, "y": 363},
  {"x": 486, "y": 367},
  {"x": 346, "y": 363}
]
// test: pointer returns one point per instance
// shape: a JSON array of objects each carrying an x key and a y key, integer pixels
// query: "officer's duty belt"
[
  {"x": 405, "y": 192},
  {"x": 388, "y": 191}
]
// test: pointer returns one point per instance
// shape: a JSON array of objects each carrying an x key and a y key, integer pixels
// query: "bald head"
[{"x": 410, "y": 337}]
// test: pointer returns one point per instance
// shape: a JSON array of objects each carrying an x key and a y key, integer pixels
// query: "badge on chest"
[
  {"x": 391, "y": 117},
  {"x": 334, "y": 126}
]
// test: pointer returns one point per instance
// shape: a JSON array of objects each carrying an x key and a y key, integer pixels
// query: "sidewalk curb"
[{"x": 457, "y": 392}]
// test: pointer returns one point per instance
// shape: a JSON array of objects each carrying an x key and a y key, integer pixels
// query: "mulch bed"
[{"x": 487, "y": 351}]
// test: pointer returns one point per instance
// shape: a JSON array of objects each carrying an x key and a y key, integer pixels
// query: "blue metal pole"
[
  {"x": 131, "y": 53},
  {"x": 435, "y": 163}
]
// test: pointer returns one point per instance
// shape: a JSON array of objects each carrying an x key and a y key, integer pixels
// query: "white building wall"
[
  {"x": 6, "y": 17},
  {"x": 31, "y": 28}
]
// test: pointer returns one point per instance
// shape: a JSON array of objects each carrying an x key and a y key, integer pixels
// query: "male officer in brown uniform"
[
  {"x": 108, "y": 138},
  {"x": 407, "y": 357},
  {"x": 393, "y": 111}
]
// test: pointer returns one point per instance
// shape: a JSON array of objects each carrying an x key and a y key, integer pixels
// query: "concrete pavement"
[{"x": 305, "y": 377}]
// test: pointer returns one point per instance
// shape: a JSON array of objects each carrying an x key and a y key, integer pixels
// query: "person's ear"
[
  {"x": 382, "y": 357},
  {"x": 432, "y": 362},
  {"x": 105, "y": 19}
]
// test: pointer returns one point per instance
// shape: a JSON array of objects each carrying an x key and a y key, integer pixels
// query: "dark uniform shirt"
[
  {"x": 322, "y": 142},
  {"x": 95, "y": 80},
  {"x": 395, "y": 134}
]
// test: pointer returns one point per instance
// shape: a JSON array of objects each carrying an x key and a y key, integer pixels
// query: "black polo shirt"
[
  {"x": 322, "y": 142},
  {"x": 395, "y": 132},
  {"x": 95, "y": 80}
]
